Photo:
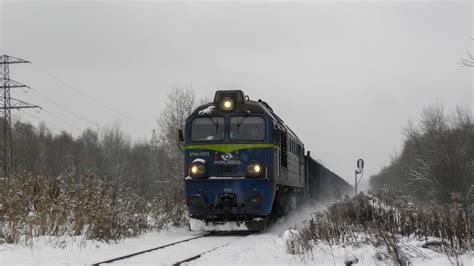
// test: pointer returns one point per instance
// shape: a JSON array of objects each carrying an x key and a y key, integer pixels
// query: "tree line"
[
  {"x": 437, "y": 159},
  {"x": 149, "y": 167}
]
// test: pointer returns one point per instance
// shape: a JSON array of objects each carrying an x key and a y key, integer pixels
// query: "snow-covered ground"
[
  {"x": 67, "y": 250},
  {"x": 267, "y": 248}
]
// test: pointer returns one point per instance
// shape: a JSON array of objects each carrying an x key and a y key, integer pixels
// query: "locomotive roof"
[{"x": 247, "y": 107}]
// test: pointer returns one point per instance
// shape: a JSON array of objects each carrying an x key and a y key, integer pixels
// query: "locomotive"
[{"x": 244, "y": 167}]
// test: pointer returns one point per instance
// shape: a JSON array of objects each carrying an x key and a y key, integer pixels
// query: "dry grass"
[
  {"x": 366, "y": 220},
  {"x": 33, "y": 206}
]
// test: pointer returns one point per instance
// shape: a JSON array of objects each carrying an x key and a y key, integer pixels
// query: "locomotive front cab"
[{"x": 229, "y": 150}]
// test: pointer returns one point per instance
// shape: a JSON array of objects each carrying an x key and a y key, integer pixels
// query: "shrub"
[
  {"x": 36, "y": 205},
  {"x": 366, "y": 219}
]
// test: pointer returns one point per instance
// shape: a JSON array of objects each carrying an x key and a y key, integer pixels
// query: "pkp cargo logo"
[
  {"x": 226, "y": 159},
  {"x": 226, "y": 156}
]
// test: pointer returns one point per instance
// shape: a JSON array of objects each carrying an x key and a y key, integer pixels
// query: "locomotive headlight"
[
  {"x": 227, "y": 104},
  {"x": 254, "y": 169},
  {"x": 197, "y": 169}
]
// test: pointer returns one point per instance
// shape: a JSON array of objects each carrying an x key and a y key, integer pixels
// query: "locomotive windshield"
[
  {"x": 207, "y": 129},
  {"x": 247, "y": 128}
]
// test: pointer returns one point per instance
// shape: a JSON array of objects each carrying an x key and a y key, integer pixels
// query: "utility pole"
[{"x": 9, "y": 103}]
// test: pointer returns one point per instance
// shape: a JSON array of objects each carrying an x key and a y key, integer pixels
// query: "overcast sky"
[{"x": 345, "y": 76}]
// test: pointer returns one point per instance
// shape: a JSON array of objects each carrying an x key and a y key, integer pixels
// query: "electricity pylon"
[{"x": 9, "y": 103}]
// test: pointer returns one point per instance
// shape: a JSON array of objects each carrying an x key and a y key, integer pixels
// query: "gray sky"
[{"x": 345, "y": 76}]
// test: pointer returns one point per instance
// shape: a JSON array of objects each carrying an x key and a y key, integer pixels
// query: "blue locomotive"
[{"x": 244, "y": 166}]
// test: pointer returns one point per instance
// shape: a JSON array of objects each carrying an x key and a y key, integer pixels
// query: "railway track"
[{"x": 177, "y": 252}]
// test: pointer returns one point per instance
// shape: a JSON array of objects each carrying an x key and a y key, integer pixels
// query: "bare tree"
[
  {"x": 115, "y": 147},
  {"x": 89, "y": 153},
  {"x": 181, "y": 102},
  {"x": 442, "y": 152},
  {"x": 437, "y": 157},
  {"x": 469, "y": 60}
]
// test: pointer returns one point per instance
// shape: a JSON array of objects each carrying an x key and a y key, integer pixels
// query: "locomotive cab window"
[
  {"x": 207, "y": 128},
  {"x": 247, "y": 128}
]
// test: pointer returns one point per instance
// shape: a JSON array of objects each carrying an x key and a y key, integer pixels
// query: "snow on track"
[
  {"x": 145, "y": 251},
  {"x": 180, "y": 252},
  {"x": 258, "y": 249}
]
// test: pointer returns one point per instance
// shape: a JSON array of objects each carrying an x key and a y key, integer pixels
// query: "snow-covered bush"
[
  {"x": 35, "y": 205},
  {"x": 367, "y": 220}
]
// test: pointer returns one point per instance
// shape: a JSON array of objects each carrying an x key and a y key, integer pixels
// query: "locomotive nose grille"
[
  {"x": 227, "y": 200},
  {"x": 226, "y": 169}
]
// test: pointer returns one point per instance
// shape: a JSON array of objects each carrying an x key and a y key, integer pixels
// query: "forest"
[
  {"x": 436, "y": 162},
  {"x": 99, "y": 184}
]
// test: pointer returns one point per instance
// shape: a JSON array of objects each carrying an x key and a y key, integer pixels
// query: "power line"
[
  {"x": 49, "y": 124},
  {"x": 65, "y": 108},
  {"x": 65, "y": 121},
  {"x": 120, "y": 114}
]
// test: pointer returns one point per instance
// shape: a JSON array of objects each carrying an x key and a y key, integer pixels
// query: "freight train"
[{"x": 244, "y": 167}]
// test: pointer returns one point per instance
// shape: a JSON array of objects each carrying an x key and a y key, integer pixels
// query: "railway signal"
[{"x": 359, "y": 170}]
